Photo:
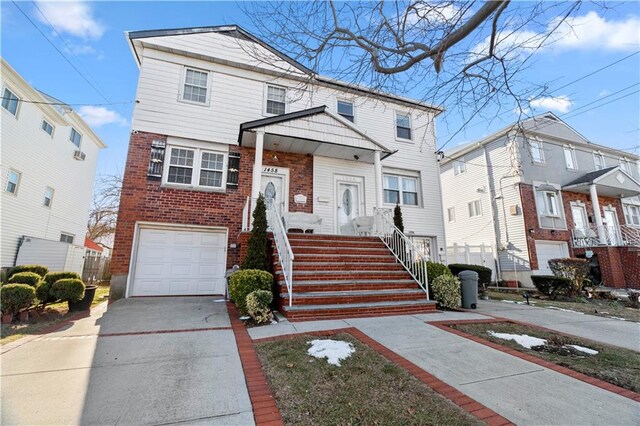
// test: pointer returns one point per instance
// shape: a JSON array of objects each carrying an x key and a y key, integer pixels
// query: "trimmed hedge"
[
  {"x": 68, "y": 289},
  {"x": 43, "y": 293},
  {"x": 258, "y": 306},
  {"x": 29, "y": 278},
  {"x": 15, "y": 297},
  {"x": 576, "y": 269},
  {"x": 435, "y": 269},
  {"x": 246, "y": 281},
  {"x": 484, "y": 273},
  {"x": 38, "y": 269},
  {"x": 446, "y": 291},
  {"x": 52, "y": 277},
  {"x": 551, "y": 285}
]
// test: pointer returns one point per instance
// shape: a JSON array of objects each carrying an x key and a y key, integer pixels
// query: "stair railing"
[
  {"x": 404, "y": 250},
  {"x": 285, "y": 254},
  {"x": 630, "y": 235}
]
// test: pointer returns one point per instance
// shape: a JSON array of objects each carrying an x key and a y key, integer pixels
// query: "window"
[
  {"x": 48, "y": 196},
  {"x": 75, "y": 137},
  {"x": 624, "y": 165},
  {"x": 570, "y": 158},
  {"x": 180, "y": 166},
  {"x": 475, "y": 208},
  {"x": 211, "y": 168},
  {"x": 537, "y": 153},
  {"x": 13, "y": 181},
  {"x": 345, "y": 109},
  {"x": 632, "y": 214},
  {"x": 66, "y": 238},
  {"x": 598, "y": 161},
  {"x": 47, "y": 127},
  {"x": 196, "y": 168},
  {"x": 459, "y": 167},
  {"x": 401, "y": 190},
  {"x": 550, "y": 204},
  {"x": 195, "y": 86},
  {"x": 451, "y": 214},
  {"x": 10, "y": 101},
  {"x": 276, "y": 100},
  {"x": 403, "y": 126}
]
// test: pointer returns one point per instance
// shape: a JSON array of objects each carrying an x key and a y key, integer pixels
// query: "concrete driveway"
[{"x": 142, "y": 361}]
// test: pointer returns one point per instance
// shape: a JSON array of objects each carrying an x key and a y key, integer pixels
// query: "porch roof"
[
  {"x": 316, "y": 131},
  {"x": 610, "y": 182}
]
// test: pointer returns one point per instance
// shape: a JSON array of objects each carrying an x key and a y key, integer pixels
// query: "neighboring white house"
[
  {"x": 529, "y": 195},
  {"x": 48, "y": 165}
]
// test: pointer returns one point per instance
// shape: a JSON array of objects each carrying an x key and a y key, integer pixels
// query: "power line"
[
  {"x": 600, "y": 99},
  {"x": 66, "y": 104},
  {"x": 601, "y": 105}
]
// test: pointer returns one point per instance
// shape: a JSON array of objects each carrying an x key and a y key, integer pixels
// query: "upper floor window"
[
  {"x": 570, "y": 158},
  {"x": 345, "y": 109},
  {"x": 537, "y": 153},
  {"x": 195, "y": 86},
  {"x": 48, "y": 196},
  {"x": 47, "y": 127},
  {"x": 66, "y": 238},
  {"x": 598, "y": 160},
  {"x": 549, "y": 205},
  {"x": 276, "y": 100},
  {"x": 632, "y": 214},
  {"x": 403, "y": 126},
  {"x": 196, "y": 168},
  {"x": 624, "y": 165},
  {"x": 451, "y": 214},
  {"x": 475, "y": 208},
  {"x": 459, "y": 167},
  {"x": 75, "y": 137},
  {"x": 400, "y": 190},
  {"x": 10, "y": 101},
  {"x": 13, "y": 181}
]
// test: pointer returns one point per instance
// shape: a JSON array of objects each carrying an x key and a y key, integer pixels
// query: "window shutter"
[
  {"x": 157, "y": 158},
  {"x": 233, "y": 170}
]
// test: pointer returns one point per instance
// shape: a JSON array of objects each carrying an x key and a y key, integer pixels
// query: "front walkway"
[{"x": 144, "y": 361}]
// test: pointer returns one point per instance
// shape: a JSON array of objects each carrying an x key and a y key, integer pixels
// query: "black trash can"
[
  {"x": 85, "y": 303},
  {"x": 469, "y": 289}
]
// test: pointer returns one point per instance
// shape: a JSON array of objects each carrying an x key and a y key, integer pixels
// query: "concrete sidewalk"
[
  {"x": 625, "y": 334},
  {"x": 523, "y": 392}
]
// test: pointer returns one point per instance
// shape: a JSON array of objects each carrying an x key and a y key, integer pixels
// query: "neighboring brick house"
[
  {"x": 222, "y": 117},
  {"x": 543, "y": 191}
]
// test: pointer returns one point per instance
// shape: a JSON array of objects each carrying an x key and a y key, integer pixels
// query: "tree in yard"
[
  {"x": 257, "y": 256},
  {"x": 103, "y": 214},
  {"x": 397, "y": 218}
]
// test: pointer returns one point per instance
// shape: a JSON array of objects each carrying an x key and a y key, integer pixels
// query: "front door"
[
  {"x": 348, "y": 202},
  {"x": 274, "y": 188},
  {"x": 612, "y": 228}
]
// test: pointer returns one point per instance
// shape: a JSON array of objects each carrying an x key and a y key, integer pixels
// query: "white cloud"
[
  {"x": 99, "y": 116},
  {"x": 592, "y": 31},
  {"x": 555, "y": 103},
  {"x": 603, "y": 92},
  {"x": 437, "y": 13},
  {"x": 80, "y": 49},
  {"x": 71, "y": 17}
]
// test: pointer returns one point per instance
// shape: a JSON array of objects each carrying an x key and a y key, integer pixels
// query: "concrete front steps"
[{"x": 347, "y": 277}]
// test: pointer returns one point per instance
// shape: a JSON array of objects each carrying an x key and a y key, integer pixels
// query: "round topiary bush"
[
  {"x": 52, "y": 277},
  {"x": 446, "y": 291},
  {"x": 43, "y": 294},
  {"x": 38, "y": 269},
  {"x": 246, "y": 281},
  {"x": 29, "y": 278},
  {"x": 15, "y": 297},
  {"x": 258, "y": 306},
  {"x": 68, "y": 289}
]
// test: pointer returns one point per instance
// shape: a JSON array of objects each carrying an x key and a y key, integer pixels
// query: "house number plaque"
[{"x": 269, "y": 170}]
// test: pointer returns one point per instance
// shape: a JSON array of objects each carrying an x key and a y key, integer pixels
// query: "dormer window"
[
  {"x": 195, "y": 86},
  {"x": 276, "y": 100},
  {"x": 345, "y": 109}
]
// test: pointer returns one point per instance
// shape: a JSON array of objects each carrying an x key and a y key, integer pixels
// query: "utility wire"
[
  {"x": 599, "y": 99},
  {"x": 601, "y": 105},
  {"x": 66, "y": 104}
]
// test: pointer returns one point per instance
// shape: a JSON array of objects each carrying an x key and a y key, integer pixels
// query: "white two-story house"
[
  {"x": 222, "y": 117},
  {"x": 48, "y": 161},
  {"x": 544, "y": 191}
]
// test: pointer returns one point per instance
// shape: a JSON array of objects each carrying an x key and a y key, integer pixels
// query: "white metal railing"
[
  {"x": 612, "y": 236},
  {"x": 285, "y": 254},
  {"x": 405, "y": 251},
  {"x": 246, "y": 215}
]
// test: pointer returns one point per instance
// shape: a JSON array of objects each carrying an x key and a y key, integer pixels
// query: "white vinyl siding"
[
  {"x": 475, "y": 208},
  {"x": 75, "y": 137},
  {"x": 570, "y": 158},
  {"x": 276, "y": 100},
  {"x": 598, "y": 161},
  {"x": 537, "y": 151},
  {"x": 13, "y": 182},
  {"x": 196, "y": 86},
  {"x": 47, "y": 127},
  {"x": 401, "y": 190},
  {"x": 48, "y": 197},
  {"x": 403, "y": 126},
  {"x": 10, "y": 102},
  {"x": 346, "y": 109},
  {"x": 195, "y": 168}
]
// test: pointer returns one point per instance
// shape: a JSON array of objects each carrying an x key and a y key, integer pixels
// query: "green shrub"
[
  {"x": 551, "y": 285},
  {"x": 258, "y": 306},
  {"x": 30, "y": 278},
  {"x": 43, "y": 293},
  {"x": 52, "y": 277},
  {"x": 435, "y": 269},
  {"x": 577, "y": 270},
  {"x": 484, "y": 273},
  {"x": 246, "y": 281},
  {"x": 15, "y": 297},
  {"x": 446, "y": 291},
  {"x": 68, "y": 289},
  {"x": 257, "y": 256},
  {"x": 38, "y": 269}
]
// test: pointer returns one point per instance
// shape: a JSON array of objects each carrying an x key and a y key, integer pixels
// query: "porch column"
[
  {"x": 596, "y": 212},
  {"x": 377, "y": 166},
  {"x": 257, "y": 165}
]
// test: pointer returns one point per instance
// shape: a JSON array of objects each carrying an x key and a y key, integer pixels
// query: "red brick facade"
[{"x": 145, "y": 200}]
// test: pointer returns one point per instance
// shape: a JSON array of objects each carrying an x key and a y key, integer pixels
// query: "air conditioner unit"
[{"x": 79, "y": 155}]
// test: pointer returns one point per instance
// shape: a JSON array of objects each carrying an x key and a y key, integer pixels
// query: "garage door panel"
[{"x": 546, "y": 250}]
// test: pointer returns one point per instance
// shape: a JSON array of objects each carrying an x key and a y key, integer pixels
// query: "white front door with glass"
[
  {"x": 612, "y": 227},
  {"x": 349, "y": 205},
  {"x": 275, "y": 187}
]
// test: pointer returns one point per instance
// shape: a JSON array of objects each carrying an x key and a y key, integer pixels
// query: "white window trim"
[
  {"x": 183, "y": 80},
  {"x": 395, "y": 125},
  {"x": 19, "y": 102},
  {"x": 457, "y": 172},
  {"x": 79, "y": 146},
  {"x": 626, "y": 206},
  {"x": 400, "y": 175},
  {"x": 197, "y": 165},
  {"x": 624, "y": 164},
  {"x": 53, "y": 191},
  {"x": 14, "y": 193},
  {"x": 595, "y": 164},
  {"x": 451, "y": 218},
  {"x": 265, "y": 99},
  {"x": 53, "y": 128},
  {"x": 478, "y": 211},
  {"x": 559, "y": 205},
  {"x": 543, "y": 159},
  {"x": 349, "y": 101},
  {"x": 572, "y": 151}
]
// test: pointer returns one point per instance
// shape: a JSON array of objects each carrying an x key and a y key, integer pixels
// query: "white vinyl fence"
[{"x": 482, "y": 255}]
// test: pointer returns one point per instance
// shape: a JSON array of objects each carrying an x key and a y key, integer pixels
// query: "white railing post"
[{"x": 285, "y": 254}]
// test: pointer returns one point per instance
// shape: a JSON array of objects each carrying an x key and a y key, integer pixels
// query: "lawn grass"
[
  {"x": 597, "y": 307},
  {"x": 366, "y": 389},
  {"x": 614, "y": 365},
  {"x": 52, "y": 314}
]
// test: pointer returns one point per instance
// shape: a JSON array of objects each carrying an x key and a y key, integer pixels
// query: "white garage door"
[
  {"x": 179, "y": 262},
  {"x": 547, "y": 250}
]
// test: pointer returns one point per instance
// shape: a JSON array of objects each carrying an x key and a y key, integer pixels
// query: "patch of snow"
[
  {"x": 618, "y": 318},
  {"x": 517, "y": 303},
  {"x": 523, "y": 340},
  {"x": 273, "y": 321},
  {"x": 219, "y": 300},
  {"x": 583, "y": 349},
  {"x": 564, "y": 310},
  {"x": 245, "y": 317},
  {"x": 333, "y": 350}
]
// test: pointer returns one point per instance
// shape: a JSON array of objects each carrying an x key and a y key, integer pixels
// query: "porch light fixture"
[
  {"x": 356, "y": 157},
  {"x": 532, "y": 231},
  {"x": 275, "y": 157}
]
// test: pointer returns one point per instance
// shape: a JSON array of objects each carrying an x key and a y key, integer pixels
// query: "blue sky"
[{"x": 93, "y": 34}]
